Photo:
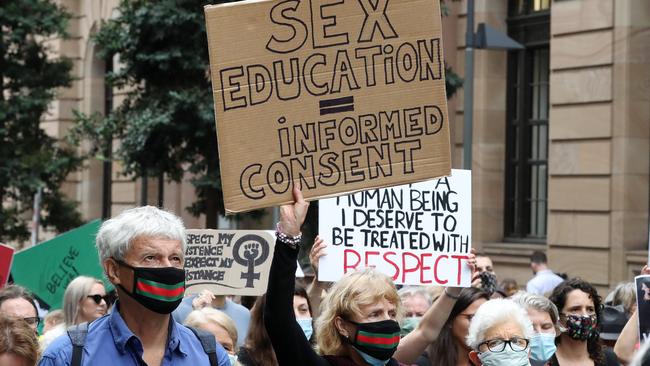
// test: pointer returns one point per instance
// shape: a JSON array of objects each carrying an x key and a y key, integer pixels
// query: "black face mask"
[
  {"x": 377, "y": 339},
  {"x": 157, "y": 289}
]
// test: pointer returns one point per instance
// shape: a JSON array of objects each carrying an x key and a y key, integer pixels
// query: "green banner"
[{"x": 47, "y": 268}]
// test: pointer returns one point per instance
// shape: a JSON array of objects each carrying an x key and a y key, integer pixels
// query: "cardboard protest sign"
[
  {"x": 47, "y": 268},
  {"x": 341, "y": 96},
  {"x": 643, "y": 305},
  {"x": 6, "y": 257},
  {"x": 419, "y": 234},
  {"x": 228, "y": 262}
]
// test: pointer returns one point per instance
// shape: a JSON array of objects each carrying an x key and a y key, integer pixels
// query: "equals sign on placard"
[{"x": 336, "y": 105}]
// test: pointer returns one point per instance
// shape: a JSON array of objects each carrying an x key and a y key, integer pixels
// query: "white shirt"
[{"x": 543, "y": 282}]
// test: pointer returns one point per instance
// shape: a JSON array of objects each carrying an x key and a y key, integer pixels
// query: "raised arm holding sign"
[{"x": 358, "y": 322}]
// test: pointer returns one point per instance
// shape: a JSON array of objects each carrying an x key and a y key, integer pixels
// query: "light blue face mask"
[
  {"x": 306, "y": 326},
  {"x": 371, "y": 360},
  {"x": 232, "y": 358},
  {"x": 542, "y": 348},
  {"x": 507, "y": 357},
  {"x": 409, "y": 324}
]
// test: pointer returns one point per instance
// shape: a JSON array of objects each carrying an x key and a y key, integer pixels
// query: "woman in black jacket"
[{"x": 358, "y": 324}]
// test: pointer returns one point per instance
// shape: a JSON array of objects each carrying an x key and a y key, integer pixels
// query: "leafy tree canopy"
[
  {"x": 29, "y": 158},
  {"x": 166, "y": 123}
]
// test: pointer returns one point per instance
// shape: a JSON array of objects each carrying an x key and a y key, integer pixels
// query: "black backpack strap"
[
  {"x": 77, "y": 334},
  {"x": 208, "y": 342}
]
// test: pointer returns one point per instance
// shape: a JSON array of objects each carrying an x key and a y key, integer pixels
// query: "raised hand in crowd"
[
  {"x": 316, "y": 288},
  {"x": 316, "y": 252},
  {"x": 293, "y": 216},
  {"x": 628, "y": 340},
  {"x": 202, "y": 300}
]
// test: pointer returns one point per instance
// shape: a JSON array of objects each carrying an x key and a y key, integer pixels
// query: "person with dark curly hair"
[{"x": 580, "y": 309}]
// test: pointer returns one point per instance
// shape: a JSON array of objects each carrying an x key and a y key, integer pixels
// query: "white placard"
[{"x": 419, "y": 234}]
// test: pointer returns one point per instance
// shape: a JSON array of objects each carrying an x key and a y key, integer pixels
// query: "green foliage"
[
  {"x": 453, "y": 81},
  {"x": 28, "y": 81},
  {"x": 166, "y": 123}
]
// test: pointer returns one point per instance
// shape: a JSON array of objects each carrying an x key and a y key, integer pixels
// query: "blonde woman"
[
  {"x": 220, "y": 325},
  {"x": 358, "y": 324},
  {"x": 84, "y": 300},
  {"x": 359, "y": 320}
]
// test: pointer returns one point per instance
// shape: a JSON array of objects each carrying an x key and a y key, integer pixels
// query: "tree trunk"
[
  {"x": 161, "y": 190},
  {"x": 211, "y": 211},
  {"x": 144, "y": 189}
]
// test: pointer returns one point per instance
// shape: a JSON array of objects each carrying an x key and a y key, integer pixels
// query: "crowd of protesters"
[{"x": 360, "y": 320}]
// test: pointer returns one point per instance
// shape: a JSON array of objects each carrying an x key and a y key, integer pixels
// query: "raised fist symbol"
[
  {"x": 255, "y": 252},
  {"x": 251, "y": 251}
]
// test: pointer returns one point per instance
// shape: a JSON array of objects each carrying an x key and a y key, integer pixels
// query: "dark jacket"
[{"x": 289, "y": 342}]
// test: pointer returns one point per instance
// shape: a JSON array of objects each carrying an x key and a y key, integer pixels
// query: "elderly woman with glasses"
[{"x": 499, "y": 334}]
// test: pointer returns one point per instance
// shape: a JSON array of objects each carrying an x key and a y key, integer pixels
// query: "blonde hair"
[
  {"x": 345, "y": 299},
  {"x": 76, "y": 292},
  {"x": 623, "y": 294},
  {"x": 17, "y": 338},
  {"x": 198, "y": 318}
]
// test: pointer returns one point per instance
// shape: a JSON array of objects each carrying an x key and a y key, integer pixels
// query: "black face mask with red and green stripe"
[
  {"x": 159, "y": 289},
  {"x": 377, "y": 339}
]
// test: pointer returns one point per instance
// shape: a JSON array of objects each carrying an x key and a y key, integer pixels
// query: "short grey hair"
[
  {"x": 623, "y": 294},
  {"x": 116, "y": 235},
  {"x": 410, "y": 291},
  {"x": 539, "y": 303},
  {"x": 76, "y": 291},
  {"x": 493, "y": 313}
]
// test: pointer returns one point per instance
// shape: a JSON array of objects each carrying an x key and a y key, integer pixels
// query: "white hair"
[
  {"x": 411, "y": 291},
  {"x": 494, "y": 313},
  {"x": 537, "y": 302},
  {"x": 117, "y": 234}
]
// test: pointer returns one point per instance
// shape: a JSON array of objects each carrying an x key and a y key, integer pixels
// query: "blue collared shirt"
[{"x": 111, "y": 342}]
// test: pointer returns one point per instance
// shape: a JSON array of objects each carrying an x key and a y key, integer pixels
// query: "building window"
[
  {"x": 527, "y": 122},
  {"x": 524, "y": 7}
]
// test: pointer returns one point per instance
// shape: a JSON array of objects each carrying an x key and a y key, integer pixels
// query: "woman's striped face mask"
[
  {"x": 159, "y": 289},
  {"x": 377, "y": 339}
]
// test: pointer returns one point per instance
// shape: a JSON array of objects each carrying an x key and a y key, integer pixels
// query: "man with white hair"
[
  {"x": 499, "y": 334},
  {"x": 142, "y": 252}
]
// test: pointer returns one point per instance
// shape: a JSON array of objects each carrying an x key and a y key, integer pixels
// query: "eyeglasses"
[
  {"x": 33, "y": 321},
  {"x": 498, "y": 345},
  {"x": 98, "y": 299}
]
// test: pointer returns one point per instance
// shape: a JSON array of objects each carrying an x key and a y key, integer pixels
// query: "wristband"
[
  {"x": 292, "y": 241},
  {"x": 455, "y": 297}
]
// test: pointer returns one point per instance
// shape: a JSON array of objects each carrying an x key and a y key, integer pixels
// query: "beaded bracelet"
[{"x": 292, "y": 241}]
